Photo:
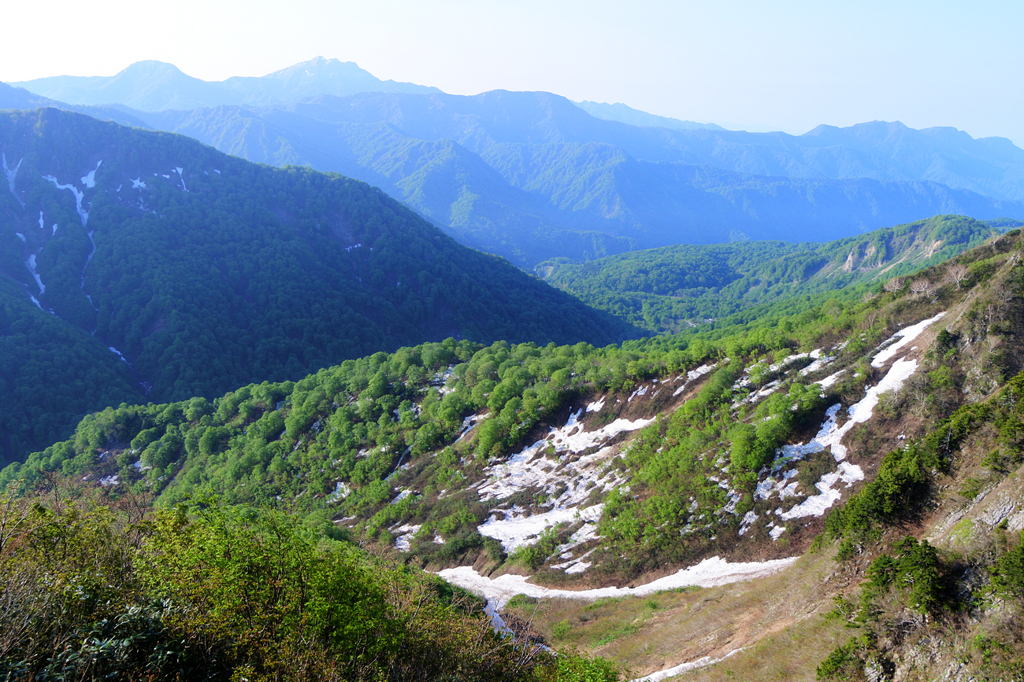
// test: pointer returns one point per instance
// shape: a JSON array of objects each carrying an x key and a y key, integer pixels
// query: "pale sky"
[{"x": 758, "y": 65}]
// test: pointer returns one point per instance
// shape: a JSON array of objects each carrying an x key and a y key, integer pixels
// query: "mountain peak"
[{"x": 149, "y": 67}]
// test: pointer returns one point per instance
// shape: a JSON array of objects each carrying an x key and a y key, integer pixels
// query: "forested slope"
[
  {"x": 205, "y": 272},
  {"x": 829, "y": 426},
  {"x": 675, "y": 287}
]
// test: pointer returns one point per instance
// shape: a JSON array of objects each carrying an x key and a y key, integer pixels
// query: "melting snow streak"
[
  {"x": 79, "y": 196},
  {"x": 90, "y": 180},
  {"x": 11, "y": 174}
]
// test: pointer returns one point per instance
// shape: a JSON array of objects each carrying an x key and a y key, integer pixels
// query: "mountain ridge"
[
  {"x": 202, "y": 271},
  {"x": 152, "y": 86}
]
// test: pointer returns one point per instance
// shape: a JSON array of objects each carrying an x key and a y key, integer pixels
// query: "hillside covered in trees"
[
  {"x": 675, "y": 287},
  {"x": 857, "y": 450},
  {"x": 141, "y": 266}
]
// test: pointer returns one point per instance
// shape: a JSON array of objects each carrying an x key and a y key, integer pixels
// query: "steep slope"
[
  {"x": 571, "y": 485},
  {"x": 205, "y": 272},
  {"x": 157, "y": 86},
  {"x": 674, "y": 287}
]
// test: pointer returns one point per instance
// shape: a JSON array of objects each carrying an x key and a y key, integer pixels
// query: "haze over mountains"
[
  {"x": 156, "y": 86},
  {"x": 532, "y": 176},
  {"x": 175, "y": 270}
]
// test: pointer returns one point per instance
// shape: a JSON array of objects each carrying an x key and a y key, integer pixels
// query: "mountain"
[
  {"x": 531, "y": 176},
  {"x": 825, "y": 490},
  {"x": 634, "y": 117},
  {"x": 19, "y": 98},
  {"x": 203, "y": 271},
  {"x": 157, "y": 86},
  {"x": 673, "y": 287}
]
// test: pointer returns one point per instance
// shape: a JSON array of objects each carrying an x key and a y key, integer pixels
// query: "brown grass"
[{"x": 778, "y": 620}]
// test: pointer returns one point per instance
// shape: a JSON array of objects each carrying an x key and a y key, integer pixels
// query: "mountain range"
[
  {"x": 174, "y": 270},
  {"x": 157, "y": 86},
  {"x": 533, "y": 176}
]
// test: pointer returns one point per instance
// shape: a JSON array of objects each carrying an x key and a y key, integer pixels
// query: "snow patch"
[
  {"x": 469, "y": 423},
  {"x": 819, "y": 362},
  {"x": 116, "y": 352},
  {"x": 30, "y": 263},
  {"x": 572, "y": 438},
  {"x": 11, "y": 175},
  {"x": 818, "y": 504},
  {"x": 711, "y": 572},
  {"x": 181, "y": 177},
  {"x": 693, "y": 375},
  {"x": 79, "y": 196},
  {"x": 20, "y": 236},
  {"x": 829, "y": 436},
  {"x": 90, "y": 180},
  {"x": 403, "y": 543},
  {"x": 905, "y": 336},
  {"x": 596, "y": 406},
  {"x": 748, "y": 520},
  {"x": 829, "y": 380},
  {"x": 401, "y": 496},
  {"x": 341, "y": 491},
  {"x": 685, "y": 667},
  {"x": 138, "y": 183},
  {"x": 516, "y": 530}
]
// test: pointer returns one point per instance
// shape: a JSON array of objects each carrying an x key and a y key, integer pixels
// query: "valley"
[{"x": 599, "y": 395}]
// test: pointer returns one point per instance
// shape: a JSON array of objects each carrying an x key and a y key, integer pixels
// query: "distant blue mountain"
[
  {"x": 634, "y": 117},
  {"x": 531, "y": 175},
  {"x": 157, "y": 86}
]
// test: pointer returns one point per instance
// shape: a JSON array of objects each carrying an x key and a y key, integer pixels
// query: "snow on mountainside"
[{"x": 671, "y": 503}]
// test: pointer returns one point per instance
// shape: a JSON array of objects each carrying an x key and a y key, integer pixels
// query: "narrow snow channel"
[
  {"x": 11, "y": 175},
  {"x": 685, "y": 667},
  {"x": 79, "y": 197},
  {"x": 692, "y": 375},
  {"x": 708, "y": 573},
  {"x": 31, "y": 265},
  {"x": 178, "y": 170}
]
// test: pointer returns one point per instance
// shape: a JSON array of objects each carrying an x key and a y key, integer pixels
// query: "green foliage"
[
  {"x": 253, "y": 273},
  {"x": 576, "y": 666},
  {"x": 915, "y": 569},
  {"x": 536, "y": 553},
  {"x": 217, "y": 593},
  {"x": 667, "y": 289},
  {"x": 844, "y": 661},
  {"x": 1008, "y": 573}
]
